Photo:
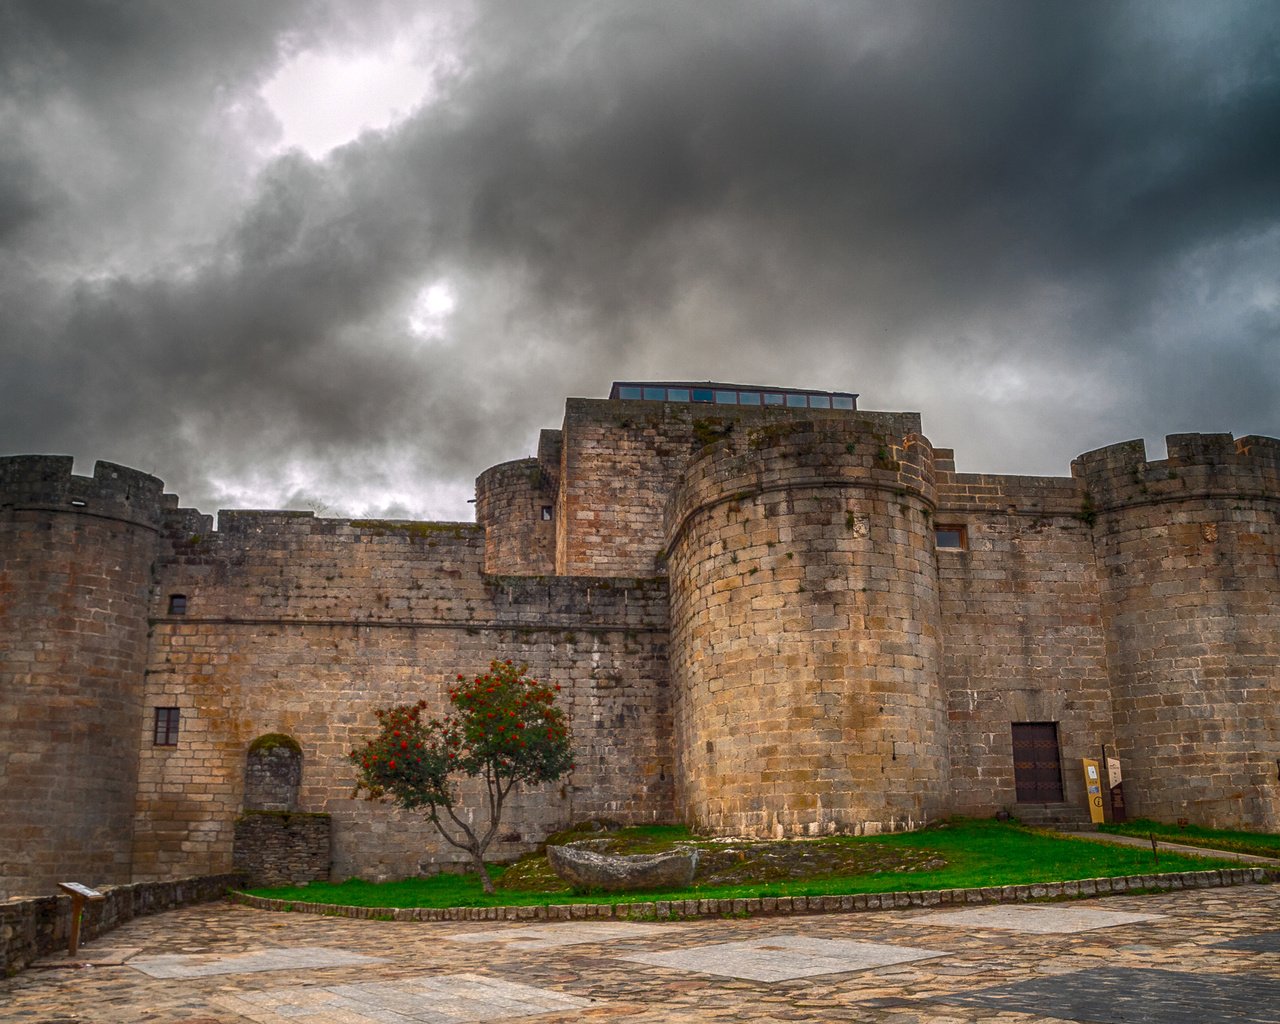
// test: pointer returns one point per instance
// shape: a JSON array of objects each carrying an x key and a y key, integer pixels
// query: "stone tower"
[
  {"x": 1188, "y": 552},
  {"x": 76, "y": 557},
  {"x": 805, "y": 630}
]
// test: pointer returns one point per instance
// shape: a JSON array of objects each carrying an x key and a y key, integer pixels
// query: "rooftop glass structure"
[{"x": 711, "y": 393}]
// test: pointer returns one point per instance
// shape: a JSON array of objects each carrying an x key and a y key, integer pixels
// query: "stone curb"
[
  {"x": 783, "y": 905},
  {"x": 34, "y": 926}
]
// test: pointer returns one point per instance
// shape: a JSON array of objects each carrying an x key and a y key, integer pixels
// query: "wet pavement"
[{"x": 1173, "y": 958}]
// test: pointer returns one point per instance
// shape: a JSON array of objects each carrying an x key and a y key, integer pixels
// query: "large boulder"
[{"x": 586, "y": 869}]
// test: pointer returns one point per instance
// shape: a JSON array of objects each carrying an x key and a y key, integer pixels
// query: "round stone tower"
[
  {"x": 514, "y": 504},
  {"x": 1188, "y": 552},
  {"x": 805, "y": 631},
  {"x": 75, "y": 574}
]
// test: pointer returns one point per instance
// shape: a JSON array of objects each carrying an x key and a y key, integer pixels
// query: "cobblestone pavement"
[{"x": 1193, "y": 957}]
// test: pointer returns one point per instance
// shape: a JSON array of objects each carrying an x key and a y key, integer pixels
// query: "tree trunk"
[{"x": 485, "y": 881}]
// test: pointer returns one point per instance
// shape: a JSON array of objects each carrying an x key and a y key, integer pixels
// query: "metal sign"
[
  {"x": 76, "y": 889},
  {"x": 1093, "y": 789}
]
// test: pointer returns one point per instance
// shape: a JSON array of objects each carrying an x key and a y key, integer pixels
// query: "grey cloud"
[{"x": 917, "y": 200}]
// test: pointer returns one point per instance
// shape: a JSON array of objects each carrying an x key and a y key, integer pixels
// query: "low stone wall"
[
  {"x": 282, "y": 848},
  {"x": 33, "y": 926},
  {"x": 761, "y": 905}
]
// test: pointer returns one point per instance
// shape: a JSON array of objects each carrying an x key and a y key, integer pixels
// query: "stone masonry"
[{"x": 749, "y": 611}]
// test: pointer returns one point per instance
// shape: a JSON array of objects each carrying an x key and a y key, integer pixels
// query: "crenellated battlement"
[
  {"x": 46, "y": 482},
  {"x": 1198, "y": 466}
]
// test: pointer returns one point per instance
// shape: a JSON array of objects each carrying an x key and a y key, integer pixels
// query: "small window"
[
  {"x": 628, "y": 392},
  {"x": 702, "y": 394},
  {"x": 796, "y": 402},
  {"x": 726, "y": 398},
  {"x": 773, "y": 399},
  {"x": 819, "y": 402},
  {"x": 951, "y": 537},
  {"x": 166, "y": 731},
  {"x": 177, "y": 604},
  {"x": 546, "y": 513},
  {"x": 842, "y": 402},
  {"x": 677, "y": 394},
  {"x": 655, "y": 394}
]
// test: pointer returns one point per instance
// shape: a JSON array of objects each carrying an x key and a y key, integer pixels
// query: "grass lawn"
[
  {"x": 959, "y": 854},
  {"x": 1262, "y": 844}
]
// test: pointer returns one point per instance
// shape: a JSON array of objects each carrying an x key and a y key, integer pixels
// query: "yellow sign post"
[{"x": 1093, "y": 789}]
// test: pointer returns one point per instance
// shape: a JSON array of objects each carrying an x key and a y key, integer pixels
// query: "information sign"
[{"x": 1093, "y": 789}]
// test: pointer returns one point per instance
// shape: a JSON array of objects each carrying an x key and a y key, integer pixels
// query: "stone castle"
[{"x": 771, "y": 613}]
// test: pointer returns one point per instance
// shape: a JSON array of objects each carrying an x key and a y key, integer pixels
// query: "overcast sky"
[{"x": 348, "y": 254}]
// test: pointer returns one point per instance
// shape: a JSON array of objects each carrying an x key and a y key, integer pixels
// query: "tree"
[{"x": 505, "y": 728}]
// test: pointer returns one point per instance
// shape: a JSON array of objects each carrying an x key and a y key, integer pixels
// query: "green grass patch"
[
  {"x": 957, "y": 855},
  {"x": 1260, "y": 844}
]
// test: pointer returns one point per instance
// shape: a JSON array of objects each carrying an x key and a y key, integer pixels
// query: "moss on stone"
[
  {"x": 709, "y": 431},
  {"x": 381, "y": 527},
  {"x": 270, "y": 741}
]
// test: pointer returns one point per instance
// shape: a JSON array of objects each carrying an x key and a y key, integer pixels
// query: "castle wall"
[
  {"x": 811, "y": 662},
  {"x": 304, "y": 626},
  {"x": 1022, "y": 631},
  {"x": 75, "y": 567},
  {"x": 1188, "y": 551},
  {"x": 805, "y": 630}
]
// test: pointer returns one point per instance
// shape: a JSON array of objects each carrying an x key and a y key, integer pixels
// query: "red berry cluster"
[{"x": 503, "y": 725}]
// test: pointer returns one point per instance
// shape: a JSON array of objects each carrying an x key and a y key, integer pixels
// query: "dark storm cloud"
[{"x": 1048, "y": 226}]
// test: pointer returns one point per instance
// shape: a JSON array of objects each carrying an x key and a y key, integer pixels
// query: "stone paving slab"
[
  {"x": 105, "y": 956},
  {"x": 1117, "y": 995},
  {"x": 449, "y": 999},
  {"x": 1268, "y": 942},
  {"x": 570, "y": 933},
  {"x": 280, "y": 959},
  {"x": 1039, "y": 920},
  {"x": 783, "y": 957}
]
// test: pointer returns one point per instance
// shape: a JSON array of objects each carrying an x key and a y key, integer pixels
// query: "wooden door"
[{"x": 1037, "y": 768}]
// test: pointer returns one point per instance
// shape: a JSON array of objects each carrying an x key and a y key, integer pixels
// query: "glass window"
[
  {"x": 726, "y": 398},
  {"x": 166, "y": 727},
  {"x": 842, "y": 402},
  {"x": 950, "y": 537},
  {"x": 677, "y": 394},
  {"x": 655, "y": 394},
  {"x": 177, "y": 604},
  {"x": 773, "y": 399},
  {"x": 628, "y": 392},
  {"x": 702, "y": 394},
  {"x": 796, "y": 402},
  {"x": 819, "y": 402},
  {"x": 748, "y": 398}
]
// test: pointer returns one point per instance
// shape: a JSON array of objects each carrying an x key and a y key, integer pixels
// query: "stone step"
[{"x": 1058, "y": 815}]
